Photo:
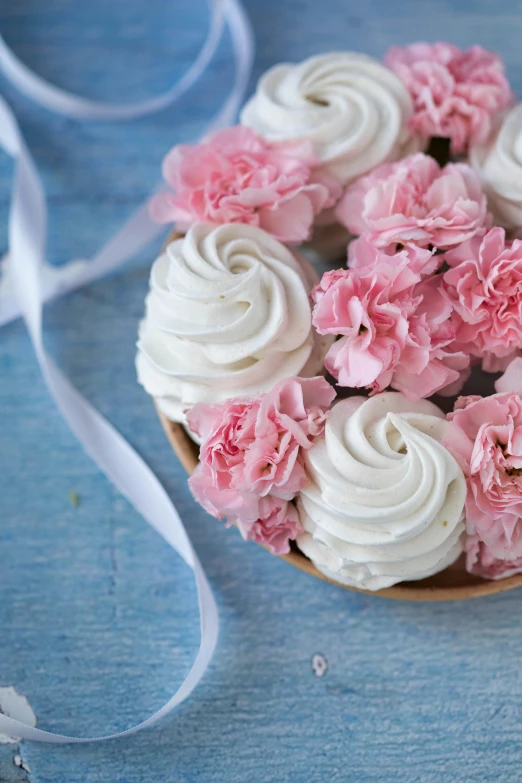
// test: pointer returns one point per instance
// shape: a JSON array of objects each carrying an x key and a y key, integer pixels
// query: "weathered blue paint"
[{"x": 96, "y": 614}]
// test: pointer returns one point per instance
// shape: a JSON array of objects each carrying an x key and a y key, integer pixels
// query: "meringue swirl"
[
  {"x": 499, "y": 166},
  {"x": 228, "y": 314},
  {"x": 385, "y": 499},
  {"x": 352, "y": 108}
]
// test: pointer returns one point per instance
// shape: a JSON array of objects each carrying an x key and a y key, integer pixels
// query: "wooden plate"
[{"x": 450, "y": 585}]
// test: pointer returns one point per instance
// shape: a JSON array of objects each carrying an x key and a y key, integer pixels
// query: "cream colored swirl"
[
  {"x": 385, "y": 499},
  {"x": 499, "y": 166},
  {"x": 228, "y": 314},
  {"x": 353, "y": 109}
]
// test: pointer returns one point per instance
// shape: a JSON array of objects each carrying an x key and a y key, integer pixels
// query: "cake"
[{"x": 337, "y": 414}]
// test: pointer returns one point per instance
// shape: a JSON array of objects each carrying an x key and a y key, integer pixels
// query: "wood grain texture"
[{"x": 96, "y": 613}]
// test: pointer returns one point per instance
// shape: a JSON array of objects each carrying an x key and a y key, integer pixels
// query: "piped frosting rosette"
[
  {"x": 384, "y": 502},
  {"x": 228, "y": 314},
  {"x": 352, "y": 108},
  {"x": 499, "y": 165}
]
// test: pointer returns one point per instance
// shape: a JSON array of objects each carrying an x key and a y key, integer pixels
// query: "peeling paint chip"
[
  {"x": 319, "y": 664},
  {"x": 16, "y": 706}
]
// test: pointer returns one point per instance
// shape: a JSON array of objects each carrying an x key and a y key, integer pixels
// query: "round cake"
[{"x": 365, "y": 419}]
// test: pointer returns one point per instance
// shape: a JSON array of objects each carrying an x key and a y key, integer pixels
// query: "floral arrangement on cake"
[{"x": 309, "y": 396}]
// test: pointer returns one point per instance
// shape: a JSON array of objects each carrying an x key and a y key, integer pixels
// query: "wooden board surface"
[{"x": 97, "y": 615}]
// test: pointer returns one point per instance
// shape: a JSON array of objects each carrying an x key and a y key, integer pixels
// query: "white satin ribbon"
[
  {"x": 30, "y": 284},
  {"x": 139, "y": 230}
]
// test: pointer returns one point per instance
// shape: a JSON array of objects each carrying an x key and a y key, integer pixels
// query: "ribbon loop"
[
  {"x": 76, "y": 107},
  {"x": 28, "y": 282}
]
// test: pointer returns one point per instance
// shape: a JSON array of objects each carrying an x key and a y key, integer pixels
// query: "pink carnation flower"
[
  {"x": 251, "y": 461},
  {"x": 278, "y": 524},
  {"x": 414, "y": 201},
  {"x": 236, "y": 176},
  {"x": 484, "y": 287},
  {"x": 363, "y": 254},
  {"x": 429, "y": 361},
  {"x": 481, "y": 561},
  {"x": 455, "y": 93},
  {"x": 394, "y": 327},
  {"x": 227, "y": 430},
  {"x": 486, "y": 438}
]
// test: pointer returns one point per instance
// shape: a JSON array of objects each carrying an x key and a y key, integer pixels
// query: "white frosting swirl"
[
  {"x": 228, "y": 314},
  {"x": 353, "y": 109},
  {"x": 385, "y": 499},
  {"x": 499, "y": 166}
]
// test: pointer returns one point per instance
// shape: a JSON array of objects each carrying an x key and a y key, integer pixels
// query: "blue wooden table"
[{"x": 97, "y": 615}]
